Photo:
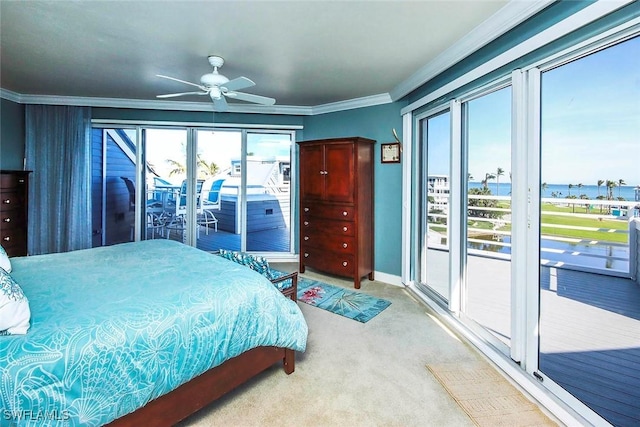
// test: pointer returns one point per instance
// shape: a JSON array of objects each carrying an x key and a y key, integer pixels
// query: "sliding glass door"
[
  {"x": 589, "y": 340},
  {"x": 268, "y": 195},
  {"x": 211, "y": 188},
  {"x": 486, "y": 124},
  {"x": 435, "y": 202}
]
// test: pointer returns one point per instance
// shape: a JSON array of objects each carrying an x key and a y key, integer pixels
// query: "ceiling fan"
[{"x": 219, "y": 87}]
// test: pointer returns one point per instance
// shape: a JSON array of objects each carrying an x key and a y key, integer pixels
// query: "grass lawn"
[{"x": 602, "y": 226}]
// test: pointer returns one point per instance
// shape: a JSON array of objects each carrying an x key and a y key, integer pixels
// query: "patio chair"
[
  {"x": 285, "y": 283},
  {"x": 154, "y": 209},
  {"x": 178, "y": 221},
  {"x": 208, "y": 201}
]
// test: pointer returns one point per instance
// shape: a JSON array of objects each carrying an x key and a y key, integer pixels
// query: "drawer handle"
[
  {"x": 306, "y": 237},
  {"x": 306, "y": 223},
  {"x": 344, "y": 245},
  {"x": 344, "y": 263},
  {"x": 306, "y": 255},
  {"x": 7, "y": 220},
  {"x": 21, "y": 181},
  {"x": 6, "y": 239},
  {"x": 6, "y": 201},
  {"x": 344, "y": 229},
  {"x": 306, "y": 209}
]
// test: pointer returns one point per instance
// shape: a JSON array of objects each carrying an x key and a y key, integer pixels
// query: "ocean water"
[{"x": 625, "y": 191}]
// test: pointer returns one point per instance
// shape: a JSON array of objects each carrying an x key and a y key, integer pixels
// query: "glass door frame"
[{"x": 192, "y": 128}]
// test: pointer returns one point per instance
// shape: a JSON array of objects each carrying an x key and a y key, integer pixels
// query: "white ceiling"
[{"x": 302, "y": 53}]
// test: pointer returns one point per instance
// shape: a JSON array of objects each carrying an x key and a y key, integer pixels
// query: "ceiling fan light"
[
  {"x": 213, "y": 79},
  {"x": 215, "y": 93}
]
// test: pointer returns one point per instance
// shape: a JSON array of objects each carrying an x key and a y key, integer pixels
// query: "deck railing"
[{"x": 582, "y": 234}]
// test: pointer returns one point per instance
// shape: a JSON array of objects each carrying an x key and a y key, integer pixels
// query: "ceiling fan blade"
[
  {"x": 181, "y": 81},
  {"x": 239, "y": 83},
  {"x": 172, "y": 95},
  {"x": 257, "y": 99},
  {"x": 220, "y": 104}
]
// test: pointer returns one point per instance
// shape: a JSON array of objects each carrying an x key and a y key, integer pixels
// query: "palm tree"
[
  {"x": 610, "y": 184},
  {"x": 178, "y": 168},
  {"x": 600, "y": 182},
  {"x": 620, "y": 184},
  {"x": 207, "y": 168},
  {"x": 570, "y": 187},
  {"x": 499, "y": 172},
  {"x": 487, "y": 177},
  {"x": 544, "y": 187}
]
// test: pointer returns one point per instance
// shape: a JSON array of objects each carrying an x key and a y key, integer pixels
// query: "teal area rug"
[{"x": 345, "y": 302}]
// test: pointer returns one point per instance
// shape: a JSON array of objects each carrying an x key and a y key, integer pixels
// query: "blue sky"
[
  {"x": 590, "y": 123},
  {"x": 591, "y": 118}
]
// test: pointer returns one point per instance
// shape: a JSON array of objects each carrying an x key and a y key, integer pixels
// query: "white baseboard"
[{"x": 390, "y": 279}]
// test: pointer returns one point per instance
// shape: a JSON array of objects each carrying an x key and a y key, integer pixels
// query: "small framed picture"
[{"x": 390, "y": 153}]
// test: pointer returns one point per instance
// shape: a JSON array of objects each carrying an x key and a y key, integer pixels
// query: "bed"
[{"x": 139, "y": 333}]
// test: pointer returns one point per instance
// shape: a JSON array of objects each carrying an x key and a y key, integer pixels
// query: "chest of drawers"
[
  {"x": 14, "y": 191},
  {"x": 336, "y": 207}
]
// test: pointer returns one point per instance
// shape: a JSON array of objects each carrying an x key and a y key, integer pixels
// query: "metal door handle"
[
  {"x": 344, "y": 245},
  {"x": 6, "y": 239},
  {"x": 7, "y": 220}
]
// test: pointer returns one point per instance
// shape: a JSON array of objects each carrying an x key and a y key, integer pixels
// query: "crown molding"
[
  {"x": 10, "y": 96},
  {"x": 367, "y": 101},
  {"x": 144, "y": 104},
  {"x": 511, "y": 15}
]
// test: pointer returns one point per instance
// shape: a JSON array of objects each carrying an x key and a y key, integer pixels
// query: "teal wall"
[
  {"x": 374, "y": 123},
  {"x": 11, "y": 135}
]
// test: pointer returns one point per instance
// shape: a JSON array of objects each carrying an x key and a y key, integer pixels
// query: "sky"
[{"x": 590, "y": 123}]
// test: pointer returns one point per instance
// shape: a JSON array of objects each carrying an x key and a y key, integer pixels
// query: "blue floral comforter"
[{"x": 115, "y": 327}]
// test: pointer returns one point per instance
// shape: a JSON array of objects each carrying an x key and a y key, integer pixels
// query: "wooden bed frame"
[{"x": 190, "y": 397}]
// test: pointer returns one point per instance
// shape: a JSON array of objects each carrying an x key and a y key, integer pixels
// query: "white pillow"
[
  {"x": 5, "y": 263},
  {"x": 14, "y": 307}
]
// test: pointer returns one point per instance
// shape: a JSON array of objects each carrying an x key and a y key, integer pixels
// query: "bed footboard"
[{"x": 194, "y": 395}]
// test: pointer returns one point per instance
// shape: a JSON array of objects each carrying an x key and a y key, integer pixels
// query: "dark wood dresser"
[
  {"x": 14, "y": 196},
  {"x": 336, "y": 206}
]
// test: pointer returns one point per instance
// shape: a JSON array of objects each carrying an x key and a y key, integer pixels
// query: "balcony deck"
[
  {"x": 273, "y": 240},
  {"x": 589, "y": 331}
]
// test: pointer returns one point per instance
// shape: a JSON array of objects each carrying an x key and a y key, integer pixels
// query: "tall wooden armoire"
[{"x": 336, "y": 207}]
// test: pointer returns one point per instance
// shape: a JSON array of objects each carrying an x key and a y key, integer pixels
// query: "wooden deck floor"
[
  {"x": 589, "y": 332},
  {"x": 274, "y": 240},
  {"x": 590, "y": 340}
]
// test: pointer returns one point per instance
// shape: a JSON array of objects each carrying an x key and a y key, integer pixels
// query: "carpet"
[
  {"x": 345, "y": 302},
  {"x": 487, "y": 397}
]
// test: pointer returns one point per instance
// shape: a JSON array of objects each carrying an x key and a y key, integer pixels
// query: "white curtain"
[{"x": 58, "y": 151}]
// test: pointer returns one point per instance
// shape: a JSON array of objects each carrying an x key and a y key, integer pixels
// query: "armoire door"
[
  {"x": 312, "y": 171},
  {"x": 339, "y": 172}
]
